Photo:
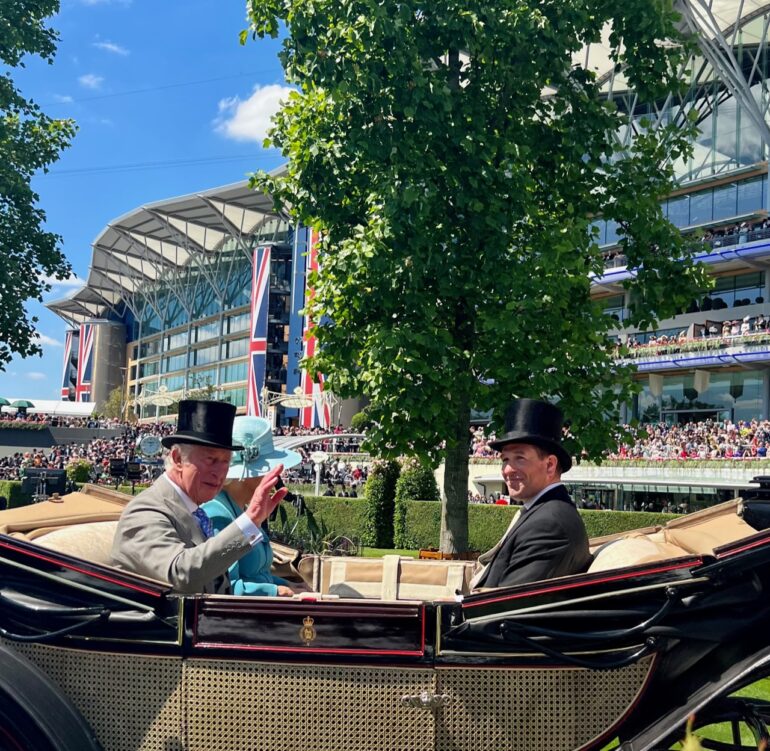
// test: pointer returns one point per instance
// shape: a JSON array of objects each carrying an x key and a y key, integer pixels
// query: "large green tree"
[
  {"x": 29, "y": 142},
  {"x": 453, "y": 156}
]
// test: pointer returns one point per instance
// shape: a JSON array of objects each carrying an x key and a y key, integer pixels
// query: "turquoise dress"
[{"x": 251, "y": 574}]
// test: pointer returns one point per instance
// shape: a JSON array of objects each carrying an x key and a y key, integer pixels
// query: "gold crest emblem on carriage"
[{"x": 307, "y": 633}]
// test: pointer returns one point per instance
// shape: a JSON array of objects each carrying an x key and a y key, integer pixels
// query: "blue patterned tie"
[{"x": 205, "y": 523}]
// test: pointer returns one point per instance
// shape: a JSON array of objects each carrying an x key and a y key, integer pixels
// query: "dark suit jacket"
[
  {"x": 158, "y": 537},
  {"x": 549, "y": 540}
]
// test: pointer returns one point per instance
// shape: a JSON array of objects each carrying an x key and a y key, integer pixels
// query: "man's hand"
[{"x": 264, "y": 499}]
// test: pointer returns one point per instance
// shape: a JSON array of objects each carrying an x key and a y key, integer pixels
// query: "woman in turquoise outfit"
[{"x": 251, "y": 574}]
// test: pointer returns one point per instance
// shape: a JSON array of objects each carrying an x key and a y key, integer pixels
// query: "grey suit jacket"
[{"x": 158, "y": 537}]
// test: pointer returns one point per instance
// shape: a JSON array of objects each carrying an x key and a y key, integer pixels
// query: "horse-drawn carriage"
[{"x": 385, "y": 654}]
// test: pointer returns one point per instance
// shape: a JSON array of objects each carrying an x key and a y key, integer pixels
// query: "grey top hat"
[{"x": 537, "y": 423}]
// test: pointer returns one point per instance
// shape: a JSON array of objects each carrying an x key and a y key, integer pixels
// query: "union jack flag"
[
  {"x": 318, "y": 414},
  {"x": 260, "y": 289},
  {"x": 65, "y": 379},
  {"x": 85, "y": 363}
]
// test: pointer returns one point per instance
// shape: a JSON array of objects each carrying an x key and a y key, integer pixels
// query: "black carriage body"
[{"x": 568, "y": 663}]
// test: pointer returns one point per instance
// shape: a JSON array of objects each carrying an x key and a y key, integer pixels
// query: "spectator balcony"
[
  {"x": 700, "y": 351},
  {"x": 745, "y": 229}
]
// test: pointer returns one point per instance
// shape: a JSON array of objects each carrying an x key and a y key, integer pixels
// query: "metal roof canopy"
[
  {"x": 158, "y": 239},
  {"x": 140, "y": 246}
]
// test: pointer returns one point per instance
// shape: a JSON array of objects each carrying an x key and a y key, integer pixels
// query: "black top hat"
[
  {"x": 538, "y": 423},
  {"x": 204, "y": 423}
]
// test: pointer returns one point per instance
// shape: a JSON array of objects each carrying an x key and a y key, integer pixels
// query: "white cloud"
[
  {"x": 249, "y": 119},
  {"x": 36, "y": 376},
  {"x": 72, "y": 282},
  {"x": 63, "y": 98},
  {"x": 91, "y": 81},
  {"x": 45, "y": 340},
  {"x": 115, "y": 49}
]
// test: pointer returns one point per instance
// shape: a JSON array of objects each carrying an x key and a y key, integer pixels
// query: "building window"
[{"x": 235, "y": 372}]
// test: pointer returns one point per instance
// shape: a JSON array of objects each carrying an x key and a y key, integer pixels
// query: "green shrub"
[
  {"x": 22, "y": 425},
  {"x": 334, "y": 516},
  {"x": 415, "y": 483},
  {"x": 380, "y": 494},
  {"x": 600, "y": 523},
  {"x": 11, "y": 489},
  {"x": 79, "y": 470},
  {"x": 487, "y": 523}
]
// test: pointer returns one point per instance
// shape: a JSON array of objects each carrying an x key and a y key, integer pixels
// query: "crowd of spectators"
[
  {"x": 98, "y": 452},
  {"x": 718, "y": 237},
  {"x": 60, "y": 421},
  {"x": 722, "y": 330},
  {"x": 709, "y": 439}
]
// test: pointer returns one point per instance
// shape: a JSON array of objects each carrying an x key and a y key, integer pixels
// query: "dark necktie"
[{"x": 205, "y": 523}]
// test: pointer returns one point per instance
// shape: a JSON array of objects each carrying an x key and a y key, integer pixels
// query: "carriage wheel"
[
  {"x": 34, "y": 715},
  {"x": 18, "y": 731},
  {"x": 747, "y": 720}
]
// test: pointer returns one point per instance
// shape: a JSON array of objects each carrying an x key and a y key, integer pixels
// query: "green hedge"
[
  {"x": 22, "y": 425},
  {"x": 338, "y": 516},
  {"x": 487, "y": 522},
  {"x": 11, "y": 489}
]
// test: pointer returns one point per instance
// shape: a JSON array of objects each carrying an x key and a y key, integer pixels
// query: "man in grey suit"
[
  {"x": 164, "y": 534},
  {"x": 547, "y": 537}
]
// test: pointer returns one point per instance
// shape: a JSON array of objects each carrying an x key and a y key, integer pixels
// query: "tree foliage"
[
  {"x": 29, "y": 142},
  {"x": 114, "y": 405},
  {"x": 453, "y": 156}
]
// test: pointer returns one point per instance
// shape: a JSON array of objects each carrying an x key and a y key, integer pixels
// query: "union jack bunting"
[
  {"x": 65, "y": 378},
  {"x": 85, "y": 363},
  {"x": 318, "y": 414},
  {"x": 260, "y": 290}
]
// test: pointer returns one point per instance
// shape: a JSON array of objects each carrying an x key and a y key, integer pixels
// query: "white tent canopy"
[{"x": 54, "y": 407}]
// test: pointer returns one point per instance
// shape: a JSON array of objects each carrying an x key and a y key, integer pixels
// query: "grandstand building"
[
  {"x": 711, "y": 361},
  {"x": 198, "y": 295},
  {"x": 180, "y": 298}
]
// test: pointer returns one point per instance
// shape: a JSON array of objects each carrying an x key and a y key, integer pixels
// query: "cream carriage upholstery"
[
  {"x": 92, "y": 541},
  {"x": 392, "y": 577},
  {"x": 694, "y": 534}
]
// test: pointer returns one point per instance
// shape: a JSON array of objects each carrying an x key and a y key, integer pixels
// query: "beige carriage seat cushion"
[
  {"x": 91, "y": 541},
  {"x": 634, "y": 550},
  {"x": 394, "y": 578},
  {"x": 703, "y": 535}
]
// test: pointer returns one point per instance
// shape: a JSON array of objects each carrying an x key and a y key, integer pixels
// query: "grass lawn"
[{"x": 379, "y": 552}]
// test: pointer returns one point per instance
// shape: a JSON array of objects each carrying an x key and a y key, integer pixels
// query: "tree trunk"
[{"x": 454, "y": 508}]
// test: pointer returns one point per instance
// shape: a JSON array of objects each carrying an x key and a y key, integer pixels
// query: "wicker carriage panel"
[
  {"x": 532, "y": 710},
  {"x": 132, "y": 703},
  {"x": 234, "y": 706}
]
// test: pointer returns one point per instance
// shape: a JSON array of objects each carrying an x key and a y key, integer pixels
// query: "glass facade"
[
  {"x": 194, "y": 314},
  {"x": 730, "y": 395},
  {"x": 703, "y": 207}
]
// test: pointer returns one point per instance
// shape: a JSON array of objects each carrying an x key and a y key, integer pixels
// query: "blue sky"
[{"x": 167, "y": 102}]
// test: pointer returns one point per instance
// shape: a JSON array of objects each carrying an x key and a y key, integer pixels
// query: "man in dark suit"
[
  {"x": 547, "y": 537},
  {"x": 164, "y": 534}
]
